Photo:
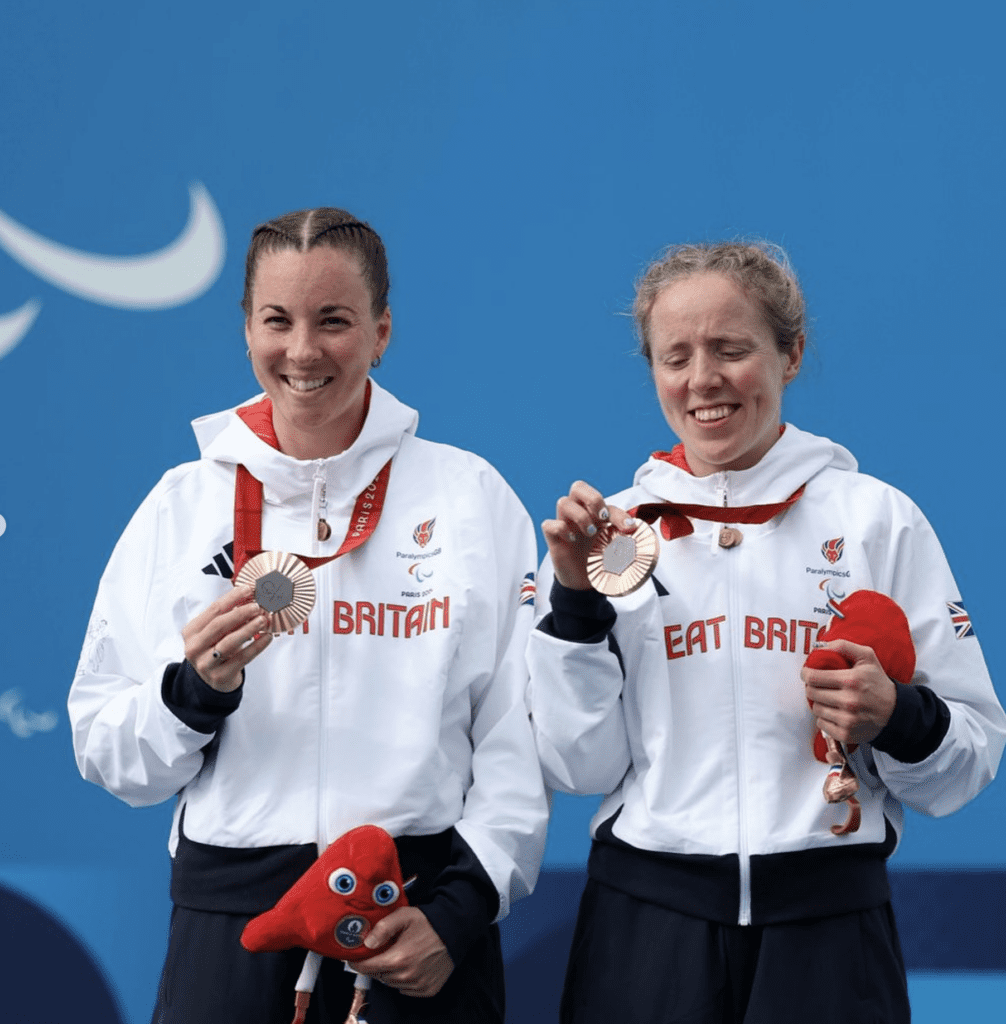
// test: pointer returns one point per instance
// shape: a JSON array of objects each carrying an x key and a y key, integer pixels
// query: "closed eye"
[{"x": 676, "y": 362}]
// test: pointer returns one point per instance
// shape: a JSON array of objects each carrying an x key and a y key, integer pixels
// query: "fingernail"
[
  {"x": 603, "y": 515},
  {"x": 632, "y": 522},
  {"x": 591, "y": 530}
]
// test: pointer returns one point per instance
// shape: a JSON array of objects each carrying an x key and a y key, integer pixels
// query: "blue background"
[{"x": 522, "y": 162}]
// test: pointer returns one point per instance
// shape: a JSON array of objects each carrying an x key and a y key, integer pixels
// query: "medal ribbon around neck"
[
  {"x": 248, "y": 495},
  {"x": 248, "y": 501},
  {"x": 618, "y": 564},
  {"x": 675, "y": 516}
]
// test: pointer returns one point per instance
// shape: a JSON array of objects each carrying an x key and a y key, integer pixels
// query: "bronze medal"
[
  {"x": 284, "y": 587},
  {"x": 619, "y": 563}
]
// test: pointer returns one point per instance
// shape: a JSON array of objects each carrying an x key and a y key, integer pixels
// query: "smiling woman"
[
  {"x": 312, "y": 339},
  {"x": 275, "y": 745},
  {"x": 718, "y": 371},
  {"x": 724, "y": 887}
]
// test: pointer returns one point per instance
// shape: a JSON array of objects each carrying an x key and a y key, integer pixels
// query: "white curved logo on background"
[
  {"x": 14, "y": 326},
  {"x": 168, "y": 277}
]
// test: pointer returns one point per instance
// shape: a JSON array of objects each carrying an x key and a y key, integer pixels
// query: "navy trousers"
[
  {"x": 209, "y": 978},
  {"x": 635, "y": 961}
]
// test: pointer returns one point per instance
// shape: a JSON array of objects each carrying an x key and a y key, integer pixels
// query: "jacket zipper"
[
  {"x": 743, "y": 855},
  {"x": 324, "y": 641}
]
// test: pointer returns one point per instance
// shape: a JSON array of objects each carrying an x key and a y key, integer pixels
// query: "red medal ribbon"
[
  {"x": 248, "y": 499},
  {"x": 675, "y": 518}
]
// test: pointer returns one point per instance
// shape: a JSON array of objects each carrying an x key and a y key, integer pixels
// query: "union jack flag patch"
[
  {"x": 961, "y": 620},
  {"x": 527, "y": 590}
]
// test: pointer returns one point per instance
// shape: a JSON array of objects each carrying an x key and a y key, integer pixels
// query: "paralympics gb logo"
[{"x": 172, "y": 276}]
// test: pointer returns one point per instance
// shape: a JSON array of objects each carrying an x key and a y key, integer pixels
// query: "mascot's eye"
[
  {"x": 342, "y": 881},
  {"x": 385, "y": 893}
]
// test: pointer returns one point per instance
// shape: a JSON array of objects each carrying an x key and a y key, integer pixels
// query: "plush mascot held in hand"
[
  {"x": 870, "y": 620},
  {"x": 332, "y": 907}
]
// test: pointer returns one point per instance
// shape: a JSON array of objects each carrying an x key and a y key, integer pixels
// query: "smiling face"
[
  {"x": 718, "y": 371},
  {"x": 312, "y": 337}
]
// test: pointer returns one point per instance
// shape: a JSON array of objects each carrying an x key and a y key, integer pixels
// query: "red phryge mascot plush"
[
  {"x": 870, "y": 620},
  {"x": 333, "y": 906}
]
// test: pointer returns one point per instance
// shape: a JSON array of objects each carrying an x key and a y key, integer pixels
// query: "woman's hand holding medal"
[
  {"x": 852, "y": 705},
  {"x": 581, "y": 519},
  {"x": 225, "y": 637}
]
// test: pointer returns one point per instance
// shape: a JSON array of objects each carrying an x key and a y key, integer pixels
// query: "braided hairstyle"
[{"x": 326, "y": 225}]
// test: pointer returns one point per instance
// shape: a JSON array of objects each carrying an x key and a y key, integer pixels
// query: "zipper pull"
[
  {"x": 319, "y": 505},
  {"x": 729, "y": 536},
  {"x": 324, "y": 530}
]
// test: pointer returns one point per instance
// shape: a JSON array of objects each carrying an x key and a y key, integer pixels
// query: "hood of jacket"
[
  {"x": 791, "y": 462},
  {"x": 224, "y": 437}
]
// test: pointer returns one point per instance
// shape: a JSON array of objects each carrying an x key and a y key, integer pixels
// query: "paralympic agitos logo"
[{"x": 172, "y": 276}]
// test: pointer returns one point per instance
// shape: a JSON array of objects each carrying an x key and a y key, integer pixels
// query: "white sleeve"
[
  {"x": 575, "y": 697},
  {"x": 124, "y": 736},
  {"x": 950, "y": 662},
  {"x": 506, "y": 812}
]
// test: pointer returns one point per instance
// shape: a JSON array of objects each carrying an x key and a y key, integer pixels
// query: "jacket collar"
[
  {"x": 224, "y": 437},
  {"x": 792, "y": 461}
]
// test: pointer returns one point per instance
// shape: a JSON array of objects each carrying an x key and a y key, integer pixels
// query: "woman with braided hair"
[
  {"x": 320, "y": 624},
  {"x": 723, "y": 886}
]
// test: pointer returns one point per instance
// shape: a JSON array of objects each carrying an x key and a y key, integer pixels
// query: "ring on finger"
[{"x": 217, "y": 656}]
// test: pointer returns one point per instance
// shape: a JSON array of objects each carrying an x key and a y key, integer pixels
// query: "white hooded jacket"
[
  {"x": 691, "y": 716},
  {"x": 399, "y": 703}
]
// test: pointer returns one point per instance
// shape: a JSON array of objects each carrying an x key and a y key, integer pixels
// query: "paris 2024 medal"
[
  {"x": 283, "y": 585},
  {"x": 619, "y": 563}
]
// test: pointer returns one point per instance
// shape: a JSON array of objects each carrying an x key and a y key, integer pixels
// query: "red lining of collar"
[
  {"x": 676, "y": 456},
  {"x": 258, "y": 418}
]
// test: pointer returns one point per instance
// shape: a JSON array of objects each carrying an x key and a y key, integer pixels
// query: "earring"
[
  {"x": 375, "y": 363},
  {"x": 248, "y": 352}
]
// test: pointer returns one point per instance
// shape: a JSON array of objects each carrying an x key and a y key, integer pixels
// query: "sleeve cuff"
[
  {"x": 580, "y": 616},
  {"x": 464, "y": 901},
  {"x": 917, "y": 725},
  {"x": 195, "y": 703}
]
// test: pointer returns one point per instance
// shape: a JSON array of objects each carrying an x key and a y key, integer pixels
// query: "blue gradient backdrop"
[{"x": 522, "y": 161}]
